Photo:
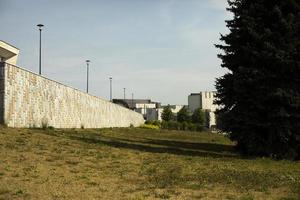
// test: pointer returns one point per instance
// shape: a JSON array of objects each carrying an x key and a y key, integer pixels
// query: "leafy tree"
[
  {"x": 207, "y": 118},
  {"x": 198, "y": 117},
  {"x": 167, "y": 114},
  {"x": 260, "y": 95},
  {"x": 183, "y": 115}
]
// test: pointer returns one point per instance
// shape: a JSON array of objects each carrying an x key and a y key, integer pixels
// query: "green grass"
[{"x": 136, "y": 163}]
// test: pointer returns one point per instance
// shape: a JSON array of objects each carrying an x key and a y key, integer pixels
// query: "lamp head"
[{"x": 40, "y": 26}]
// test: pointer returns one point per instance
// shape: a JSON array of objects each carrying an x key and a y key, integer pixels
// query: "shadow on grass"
[
  {"x": 210, "y": 147},
  {"x": 162, "y": 146}
]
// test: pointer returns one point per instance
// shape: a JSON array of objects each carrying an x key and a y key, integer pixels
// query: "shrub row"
[
  {"x": 174, "y": 125},
  {"x": 184, "y": 126},
  {"x": 149, "y": 126},
  {"x": 153, "y": 122}
]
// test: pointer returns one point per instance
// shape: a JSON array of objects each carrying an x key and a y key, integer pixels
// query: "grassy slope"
[{"x": 136, "y": 164}]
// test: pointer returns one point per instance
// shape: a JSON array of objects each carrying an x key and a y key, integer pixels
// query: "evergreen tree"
[
  {"x": 260, "y": 95},
  {"x": 198, "y": 117},
  {"x": 183, "y": 115},
  {"x": 167, "y": 114}
]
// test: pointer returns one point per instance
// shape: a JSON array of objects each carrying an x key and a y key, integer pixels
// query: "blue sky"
[{"x": 158, "y": 49}]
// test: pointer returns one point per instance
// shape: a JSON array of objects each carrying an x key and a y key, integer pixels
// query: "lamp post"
[
  {"x": 40, "y": 57},
  {"x": 124, "y": 93},
  {"x": 87, "y": 75},
  {"x": 110, "y": 86},
  {"x": 132, "y": 101}
]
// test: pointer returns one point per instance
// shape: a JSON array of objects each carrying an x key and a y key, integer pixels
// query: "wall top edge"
[
  {"x": 51, "y": 80},
  {"x": 9, "y": 44}
]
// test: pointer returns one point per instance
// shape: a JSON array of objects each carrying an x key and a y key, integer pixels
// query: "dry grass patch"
[{"x": 136, "y": 164}]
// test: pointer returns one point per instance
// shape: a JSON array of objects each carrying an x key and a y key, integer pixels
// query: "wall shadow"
[
  {"x": 166, "y": 146},
  {"x": 211, "y": 147}
]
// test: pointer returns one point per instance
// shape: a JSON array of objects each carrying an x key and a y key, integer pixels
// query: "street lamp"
[
  {"x": 87, "y": 75},
  {"x": 40, "y": 57},
  {"x": 132, "y": 101},
  {"x": 124, "y": 93},
  {"x": 110, "y": 82}
]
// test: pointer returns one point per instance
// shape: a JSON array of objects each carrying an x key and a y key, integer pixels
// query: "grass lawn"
[{"x": 136, "y": 164}]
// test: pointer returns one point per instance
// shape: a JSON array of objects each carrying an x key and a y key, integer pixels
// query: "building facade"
[
  {"x": 174, "y": 108},
  {"x": 149, "y": 109},
  {"x": 146, "y": 107},
  {"x": 205, "y": 101},
  {"x": 8, "y": 53}
]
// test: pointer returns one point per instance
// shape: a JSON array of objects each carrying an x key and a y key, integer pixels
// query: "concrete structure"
[
  {"x": 149, "y": 109},
  {"x": 143, "y": 106},
  {"x": 174, "y": 108},
  {"x": 31, "y": 100},
  {"x": 204, "y": 100},
  {"x": 8, "y": 53}
]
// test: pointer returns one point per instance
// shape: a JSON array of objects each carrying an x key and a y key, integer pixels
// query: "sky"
[{"x": 158, "y": 49}]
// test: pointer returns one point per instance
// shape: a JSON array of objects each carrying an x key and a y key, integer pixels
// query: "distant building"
[
  {"x": 8, "y": 53},
  {"x": 146, "y": 107},
  {"x": 204, "y": 100},
  {"x": 174, "y": 108},
  {"x": 150, "y": 110}
]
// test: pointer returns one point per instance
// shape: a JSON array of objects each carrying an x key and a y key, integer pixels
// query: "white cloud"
[
  {"x": 218, "y": 4},
  {"x": 201, "y": 38}
]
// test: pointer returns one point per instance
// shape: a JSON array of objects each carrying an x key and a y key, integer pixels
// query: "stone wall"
[
  {"x": 31, "y": 100},
  {"x": 2, "y": 91}
]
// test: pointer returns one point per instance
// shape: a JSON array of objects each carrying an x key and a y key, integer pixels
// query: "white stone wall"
[{"x": 32, "y": 100}]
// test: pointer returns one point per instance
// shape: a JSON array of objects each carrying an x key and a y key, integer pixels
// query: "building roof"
[
  {"x": 8, "y": 51},
  {"x": 130, "y": 103},
  {"x": 195, "y": 94}
]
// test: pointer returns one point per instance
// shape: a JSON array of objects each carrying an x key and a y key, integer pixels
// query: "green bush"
[
  {"x": 148, "y": 122},
  {"x": 156, "y": 122},
  {"x": 167, "y": 114},
  {"x": 192, "y": 127},
  {"x": 199, "y": 116},
  {"x": 164, "y": 125},
  {"x": 200, "y": 127},
  {"x": 183, "y": 115},
  {"x": 173, "y": 125},
  {"x": 153, "y": 122},
  {"x": 184, "y": 126},
  {"x": 170, "y": 125},
  {"x": 149, "y": 126}
]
